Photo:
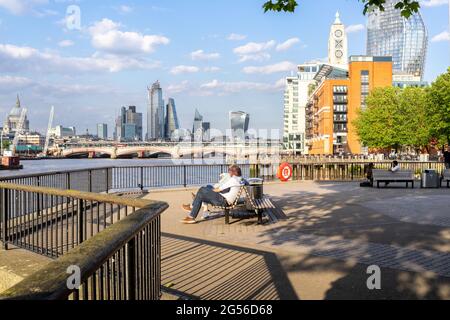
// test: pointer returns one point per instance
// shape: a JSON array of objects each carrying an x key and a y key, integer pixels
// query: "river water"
[{"x": 43, "y": 166}]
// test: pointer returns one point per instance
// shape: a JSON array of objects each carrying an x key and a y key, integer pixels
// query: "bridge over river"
[{"x": 178, "y": 150}]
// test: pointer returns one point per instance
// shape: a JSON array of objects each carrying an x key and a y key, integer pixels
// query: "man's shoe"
[
  {"x": 187, "y": 207},
  {"x": 188, "y": 220}
]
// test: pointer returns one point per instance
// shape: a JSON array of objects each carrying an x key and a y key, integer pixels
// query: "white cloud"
[
  {"x": 287, "y": 44},
  {"x": 18, "y": 7},
  {"x": 273, "y": 68},
  {"x": 202, "y": 55},
  {"x": 212, "y": 69},
  {"x": 10, "y": 83},
  {"x": 125, "y": 9},
  {"x": 433, "y": 3},
  {"x": 66, "y": 43},
  {"x": 178, "y": 88},
  {"x": 254, "y": 51},
  {"x": 443, "y": 36},
  {"x": 107, "y": 37},
  {"x": 236, "y": 37},
  {"x": 14, "y": 58},
  {"x": 221, "y": 88},
  {"x": 184, "y": 69},
  {"x": 354, "y": 28}
]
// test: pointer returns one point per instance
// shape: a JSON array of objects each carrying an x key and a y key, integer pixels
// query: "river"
[{"x": 43, "y": 166}]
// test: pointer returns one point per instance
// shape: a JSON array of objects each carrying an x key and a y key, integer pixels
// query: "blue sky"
[{"x": 216, "y": 55}]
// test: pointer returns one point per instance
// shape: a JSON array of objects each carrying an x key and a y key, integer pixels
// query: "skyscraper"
[
  {"x": 405, "y": 40},
  {"x": 239, "y": 124},
  {"x": 155, "y": 113},
  {"x": 129, "y": 125},
  {"x": 206, "y": 128},
  {"x": 171, "y": 123},
  {"x": 197, "y": 128},
  {"x": 102, "y": 131}
]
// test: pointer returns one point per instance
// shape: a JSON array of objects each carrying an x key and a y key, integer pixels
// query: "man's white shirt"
[{"x": 234, "y": 184}]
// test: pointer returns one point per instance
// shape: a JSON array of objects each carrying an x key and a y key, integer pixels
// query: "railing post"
[
  {"x": 185, "y": 176},
  {"x": 142, "y": 179},
  {"x": 80, "y": 220},
  {"x": 68, "y": 181},
  {"x": 4, "y": 199},
  {"x": 90, "y": 180},
  {"x": 107, "y": 179},
  {"x": 352, "y": 172},
  {"x": 131, "y": 270}
]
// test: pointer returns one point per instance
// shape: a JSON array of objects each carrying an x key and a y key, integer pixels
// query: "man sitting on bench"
[
  {"x": 395, "y": 167},
  {"x": 225, "y": 195}
]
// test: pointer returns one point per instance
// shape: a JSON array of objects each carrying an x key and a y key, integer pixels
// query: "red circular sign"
[{"x": 285, "y": 172}]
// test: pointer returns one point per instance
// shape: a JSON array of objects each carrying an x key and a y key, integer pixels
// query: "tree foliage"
[
  {"x": 438, "y": 97},
  {"x": 407, "y": 7},
  {"x": 394, "y": 118}
]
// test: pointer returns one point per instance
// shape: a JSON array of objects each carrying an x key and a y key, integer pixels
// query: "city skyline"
[{"x": 252, "y": 58}]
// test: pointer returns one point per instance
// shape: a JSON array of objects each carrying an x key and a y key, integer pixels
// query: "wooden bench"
[
  {"x": 446, "y": 177},
  {"x": 259, "y": 207},
  {"x": 383, "y": 176}
]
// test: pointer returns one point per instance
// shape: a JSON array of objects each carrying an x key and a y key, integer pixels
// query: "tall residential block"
[
  {"x": 299, "y": 87},
  {"x": 337, "y": 100}
]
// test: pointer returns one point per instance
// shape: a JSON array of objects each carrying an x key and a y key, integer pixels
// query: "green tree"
[
  {"x": 6, "y": 144},
  {"x": 438, "y": 97},
  {"x": 395, "y": 118},
  {"x": 414, "y": 118},
  {"x": 376, "y": 125},
  {"x": 407, "y": 7}
]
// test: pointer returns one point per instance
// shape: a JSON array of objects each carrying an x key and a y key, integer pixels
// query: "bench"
[
  {"x": 446, "y": 177},
  {"x": 259, "y": 207},
  {"x": 383, "y": 176}
]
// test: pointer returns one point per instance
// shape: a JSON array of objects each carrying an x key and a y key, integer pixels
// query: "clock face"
[
  {"x": 338, "y": 33},
  {"x": 339, "y": 54}
]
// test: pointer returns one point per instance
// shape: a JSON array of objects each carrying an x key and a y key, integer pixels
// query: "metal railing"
[
  {"x": 155, "y": 177},
  {"x": 123, "y": 262},
  {"x": 88, "y": 180},
  {"x": 351, "y": 171}
]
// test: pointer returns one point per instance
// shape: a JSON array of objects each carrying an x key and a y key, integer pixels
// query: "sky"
[{"x": 216, "y": 56}]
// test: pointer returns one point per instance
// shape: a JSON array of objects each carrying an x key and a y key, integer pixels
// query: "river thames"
[{"x": 43, "y": 166}]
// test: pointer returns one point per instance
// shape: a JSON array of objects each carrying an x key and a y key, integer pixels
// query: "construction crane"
[
  {"x": 49, "y": 131},
  {"x": 19, "y": 131}
]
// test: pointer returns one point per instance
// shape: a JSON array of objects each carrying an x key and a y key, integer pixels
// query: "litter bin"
[
  {"x": 256, "y": 191},
  {"x": 431, "y": 179}
]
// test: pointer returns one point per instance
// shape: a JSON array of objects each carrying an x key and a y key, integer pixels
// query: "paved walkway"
[{"x": 334, "y": 232}]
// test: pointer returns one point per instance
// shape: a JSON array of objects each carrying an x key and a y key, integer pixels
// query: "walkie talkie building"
[{"x": 406, "y": 40}]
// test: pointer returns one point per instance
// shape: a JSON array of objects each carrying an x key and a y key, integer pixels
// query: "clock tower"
[{"x": 337, "y": 45}]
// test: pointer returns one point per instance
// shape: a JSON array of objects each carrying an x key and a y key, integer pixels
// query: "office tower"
[
  {"x": 13, "y": 119},
  {"x": 336, "y": 102},
  {"x": 129, "y": 125},
  {"x": 337, "y": 43},
  {"x": 197, "y": 128},
  {"x": 171, "y": 123},
  {"x": 239, "y": 124},
  {"x": 206, "y": 128},
  {"x": 405, "y": 40},
  {"x": 102, "y": 131},
  {"x": 155, "y": 113}
]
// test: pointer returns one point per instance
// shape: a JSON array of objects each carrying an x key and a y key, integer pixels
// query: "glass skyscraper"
[
  {"x": 239, "y": 124},
  {"x": 155, "y": 113},
  {"x": 172, "y": 123},
  {"x": 406, "y": 40}
]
